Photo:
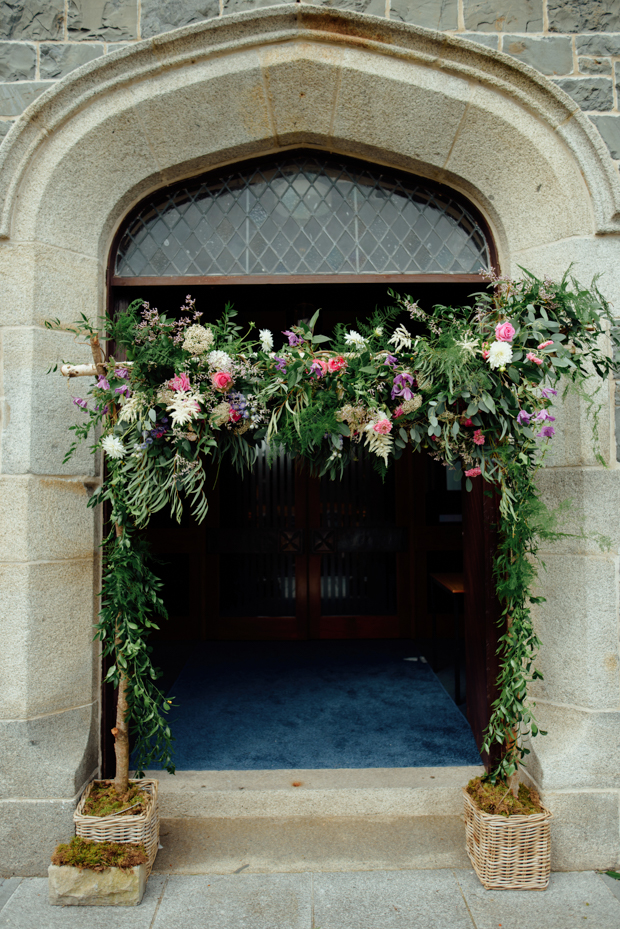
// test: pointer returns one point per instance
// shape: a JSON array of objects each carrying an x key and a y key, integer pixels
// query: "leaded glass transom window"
[{"x": 302, "y": 214}]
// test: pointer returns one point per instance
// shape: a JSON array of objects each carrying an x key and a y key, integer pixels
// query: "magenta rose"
[
  {"x": 221, "y": 380},
  {"x": 504, "y": 332},
  {"x": 336, "y": 364}
]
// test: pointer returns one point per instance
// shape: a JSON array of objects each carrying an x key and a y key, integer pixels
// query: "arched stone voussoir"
[{"x": 251, "y": 83}]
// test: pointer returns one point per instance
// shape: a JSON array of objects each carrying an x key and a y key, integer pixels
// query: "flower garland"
[{"x": 472, "y": 387}]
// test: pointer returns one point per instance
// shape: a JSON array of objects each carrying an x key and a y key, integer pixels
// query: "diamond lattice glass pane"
[{"x": 304, "y": 213}]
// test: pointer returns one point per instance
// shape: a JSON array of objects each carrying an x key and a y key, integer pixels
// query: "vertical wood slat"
[{"x": 482, "y": 608}]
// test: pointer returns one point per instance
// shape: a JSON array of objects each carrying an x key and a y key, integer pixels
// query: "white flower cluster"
[
  {"x": 113, "y": 447},
  {"x": 220, "y": 360},
  {"x": 198, "y": 339},
  {"x": 378, "y": 443},
  {"x": 220, "y": 414},
  {"x": 266, "y": 340},
  {"x": 354, "y": 340},
  {"x": 500, "y": 354},
  {"x": 183, "y": 408},
  {"x": 401, "y": 339},
  {"x": 130, "y": 409},
  {"x": 410, "y": 406}
]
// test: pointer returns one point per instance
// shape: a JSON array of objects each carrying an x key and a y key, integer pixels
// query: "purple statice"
[
  {"x": 124, "y": 389},
  {"x": 292, "y": 338},
  {"x": 158, "y": 431},
  {"x": 238, "y": 403},
  {"x": 544, "y": 417},
  {"x": 281, "y": 365},
  {"x": 524, "y": 418},
  {"x": 391, "y": 360},
  {"x": 121, "y": 372},
  {"x": 83, "y": 404},
  {"x": 403, "y": 386},
  {"x": 103, "y": 383},
  {"x": 548, "y": 392},
  {"x": 546, "y": 432}
]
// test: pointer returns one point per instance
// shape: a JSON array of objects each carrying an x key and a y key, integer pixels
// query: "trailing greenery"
[{"x": 472, "y": 387}]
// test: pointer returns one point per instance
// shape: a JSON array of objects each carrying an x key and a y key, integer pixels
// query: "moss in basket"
[
  {"x": 97, "y": 856},
  {"x": 499, "y": 800},
  {"x": 104, "y": 800}
]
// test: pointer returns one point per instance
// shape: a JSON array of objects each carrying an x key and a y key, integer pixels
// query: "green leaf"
[
  {"x": 343, "y": 429},
  {"x": 316, "y": 339},
  {"x": 368, "y": 370},
  {"x": 403, "y": 434},
  {"x": 513, "y": 374},
  {"x": 153, "y": 415}
]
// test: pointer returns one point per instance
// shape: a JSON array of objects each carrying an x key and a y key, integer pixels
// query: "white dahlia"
[
  {"x": 500, "y": 354},
  {"x": 113, "y": 447},
  {"x": 220, "y": 360},
  {"x": 266, "y": 339}
]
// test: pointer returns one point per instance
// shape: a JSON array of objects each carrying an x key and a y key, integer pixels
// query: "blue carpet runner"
[{"x": 327, "y": 704}]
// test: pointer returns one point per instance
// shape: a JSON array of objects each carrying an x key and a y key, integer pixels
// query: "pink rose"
[
  {"x": 397, "y": 412},
  {"x": 473, "y": 472},
  {"x": 179, "y": 382},
  {"x": 384, "y": 426},
  {"x": 504, "y": 332},
  {"x": 336, "y": 364},
  {"x": 221, "y": 380},
  {"x": 319, "y": 367},
  {"x": 532, "y": 357},
  {"x": 234, "y": 415},
  {"x": 545, "y": 344},
  {"x": 478, "y": 437}
]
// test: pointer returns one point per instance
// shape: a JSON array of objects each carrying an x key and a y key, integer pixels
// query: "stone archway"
[{"x": 91, "y": 147}]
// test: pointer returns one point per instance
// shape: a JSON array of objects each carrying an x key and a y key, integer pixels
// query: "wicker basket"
[
  {"x": 142, "y": 829},
  {"x": 508, "y": 852}
]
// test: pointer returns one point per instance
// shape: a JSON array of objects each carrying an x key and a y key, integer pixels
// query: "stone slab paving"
[{"x": 442, "y": 899}]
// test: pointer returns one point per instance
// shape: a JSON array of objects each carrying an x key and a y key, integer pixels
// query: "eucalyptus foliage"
[{"x": 471, "y": 386}]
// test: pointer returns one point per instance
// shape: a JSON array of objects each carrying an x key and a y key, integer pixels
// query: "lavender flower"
[
  {"x": 548, "y": 392},
  {"x": 281, "y": 365},
  {"x": 121, "y": 372},
  {"x": 292, "y": 338},
  {"x": 83, "y": 404},
  {"x": 391, "y": 360},
  {"x": 524, "y": 418},
  {"x": 103, "y": 383},
  {"x": 403, "y": 386},
  {"x": 546, "y": 432},
  {"x": 123, "y": 390},
  {"x": 544, "y": 417}
]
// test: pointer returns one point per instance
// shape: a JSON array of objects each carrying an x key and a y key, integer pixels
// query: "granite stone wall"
[{"x": 575, "y": 42}]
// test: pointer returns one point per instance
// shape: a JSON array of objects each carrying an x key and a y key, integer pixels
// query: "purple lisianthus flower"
[
  {"x": 524, "y": 418},
  {"x": 403, "y": 386},
  {"x": 546, "y": 432},
  {"x": 391, "y": 360},
  {"x": 158, "y": 432},
  {"x": 281, "y": 365},
  {"x": 548, "y": 392},
  {"x": 543, "y": 417},
  {"x": 103, "y": 383},
  {"x": 121, "y": 372},
  {"x": 292, "y": 338},
  {"x": 83, "y": 404},
  {"x": 124, "y": 389}
]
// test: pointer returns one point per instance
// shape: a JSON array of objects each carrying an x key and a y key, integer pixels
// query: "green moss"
[
  {"x": 104, "y": 800},
  {"x": 499, "y": 800},
  {"x": 97, "y": 856}
]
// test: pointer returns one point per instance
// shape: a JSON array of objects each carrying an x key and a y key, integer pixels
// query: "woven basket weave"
[
  {"x": 142, "y": 829},
  {"x": 508, "y": 852}
]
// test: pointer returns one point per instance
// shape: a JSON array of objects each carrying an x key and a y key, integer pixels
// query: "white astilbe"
[
  {"x": 130, "y": 409},
  {"x": 354, "y": 340},
  {"x": 165, "y": 395},
  {"x": 410, "y": 406},
  {"x": 468, "y": 343},
  {"x": 220, "y": 360},
  {"x": 198, "y": 340},
  {"x": 378, "y": 443},
  {"x": 401, "y": 339},
  {"x": 113, "y": 447},
  {"x": 266, "y": 339},
  {"x": 183, "y": 408},
  {"x": 500, "y": 354}
]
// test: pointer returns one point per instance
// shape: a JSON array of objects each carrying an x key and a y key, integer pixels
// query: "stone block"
[
  {"x": 46, "y": 519},
  {"x": 583, "y": 16},
  {"x": 490, "y": 39},
  {"x": 18, "y": 61},
  {"x": 70, "y": 886},
  {"x": 580, "y": 751},
  {"x": 240, "y": 6},
  {"x": 41, "y": 282},
  {"x": 414, "y": 112},
  {"x": 58, "y": 60},
  {"x": 609, "y": 128},
  {"x": 32, "y": 19},
  {"x": 30, "y": 830},
  {"x": 434, "y": 14},
  {"x": 110, "y": 20},
  {"x": 5, "y": 125},
  {"x": 14, "y": 98},
  {"x": 595, "y": 65},
  {"x": 38, "y": 405},
  {"x": 591, "y": 93},
  {"x": 549, "y": 54},
  {"x": 578, "y": 628},
  {"x": 585, "y": 829},
  {"x": 503, "y": 15},
  {"x": 46, "y": 662},
  {"x": 598, "y": 45},
  {"x": 159, "y": 16},
  {"x": 49, "y": 756}
]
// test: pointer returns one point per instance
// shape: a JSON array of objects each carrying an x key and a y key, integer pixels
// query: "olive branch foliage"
[{"x": 479, "y": 418}]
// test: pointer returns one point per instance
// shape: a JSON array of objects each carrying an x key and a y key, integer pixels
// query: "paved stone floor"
[{"x": 443, "y": 899}]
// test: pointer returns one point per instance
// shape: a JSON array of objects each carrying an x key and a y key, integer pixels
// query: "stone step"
[{"x": 223, "y": 822}]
